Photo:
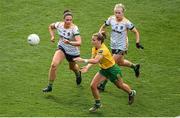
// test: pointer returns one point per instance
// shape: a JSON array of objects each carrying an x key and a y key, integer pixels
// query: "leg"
[
  {"x": 75, "y": 68},
  {"x": 119, "y": 59},
  {"x": 94, "y": 83},
  {"x": 102, "y": 85},
  {"x": 57, "y": 59},
  {"x": 121, "y": 85}
]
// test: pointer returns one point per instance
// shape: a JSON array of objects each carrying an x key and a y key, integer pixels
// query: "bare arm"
[
  {"x": 89, "y": 65},
  {"x": 103, "y": 28},
  {"x": 86, "y": 68},
  {"x": 138, "y": 45},
  {"x": 77, "y": 41},
  {"x": 94, "y": 60},
  {"x": 51, "y": 31},
  {"x": 90, "y": 62},
  {"x": 137, "y": 34}
]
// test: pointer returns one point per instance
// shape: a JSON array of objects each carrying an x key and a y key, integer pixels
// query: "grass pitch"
[{"x": 24, "y": 69}]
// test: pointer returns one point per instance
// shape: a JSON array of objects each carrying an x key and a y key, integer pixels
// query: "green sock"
[
  {"x": 77, "y": 73},
  {"x": 98, "y": 102},
  {"x": 104, "y": 83},
  {"x": 51, "y": 82}
]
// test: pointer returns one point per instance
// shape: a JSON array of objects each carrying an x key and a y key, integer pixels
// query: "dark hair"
[
  {"x": 67, "y": 13},
  {"x": 101, "y": 36}
]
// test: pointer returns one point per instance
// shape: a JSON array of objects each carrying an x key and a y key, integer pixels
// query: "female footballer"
[
  {"x": 119, "y": 39},
  {"x": 68, "y": 47},
  {"x": 109, "y": 70}
]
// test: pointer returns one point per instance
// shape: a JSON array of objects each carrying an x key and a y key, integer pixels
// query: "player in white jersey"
[
  {"x": 68, "y": 47},
  {"x": 119, "y": 39}
]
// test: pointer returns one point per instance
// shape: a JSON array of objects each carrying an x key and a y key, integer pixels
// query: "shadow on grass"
[
  {"x": 52, "y": 98},
  {"x": 96, "y": 114}
]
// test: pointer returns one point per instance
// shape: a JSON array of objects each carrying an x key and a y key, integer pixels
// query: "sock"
[
  {"x": 132, "y": 93},
  {"x": 104, "y": 83},
  {"x": 98, "y": 102},
  {"x": 77, "y": 73},
  {"x": 51, "y": 83},
  {"x": 133, "y": 66}
]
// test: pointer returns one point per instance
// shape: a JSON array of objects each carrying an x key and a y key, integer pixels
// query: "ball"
[{"x": 33, "y": 39}]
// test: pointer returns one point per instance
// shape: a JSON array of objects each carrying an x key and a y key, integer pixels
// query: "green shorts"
[{"x": 111, "y": 73}]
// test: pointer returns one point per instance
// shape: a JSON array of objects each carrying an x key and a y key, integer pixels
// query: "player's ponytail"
[{"x": 101, "y": 36}]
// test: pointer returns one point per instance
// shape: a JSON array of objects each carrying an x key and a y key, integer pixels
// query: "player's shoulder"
[
  {"x": 125, "y": 19},
  {"x": 58, "y": 24},
  {"x": 93, "y": 50},
  {"x": 112, "y": 17},
  {"x": 103, "y": 48},
  {"x": 74, "y": 26}
]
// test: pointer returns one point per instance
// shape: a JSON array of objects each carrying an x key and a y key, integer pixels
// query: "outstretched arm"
[
  {"x": 86, "y": 68},
  {"x": 89, "y": 62}
]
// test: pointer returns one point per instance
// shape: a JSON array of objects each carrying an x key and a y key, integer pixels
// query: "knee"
[
  {"x": 93, "y": 86},
  {"x": 71, "y": 67},
  {"x": 53, "y": 66},
  {"x": 74, "y": 68}
]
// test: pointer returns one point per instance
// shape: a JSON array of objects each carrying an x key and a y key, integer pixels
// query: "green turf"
[{"x": 24, "y": 69}]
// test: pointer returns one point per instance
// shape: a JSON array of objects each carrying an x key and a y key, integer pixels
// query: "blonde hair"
[{"x": 120, "y": 5}]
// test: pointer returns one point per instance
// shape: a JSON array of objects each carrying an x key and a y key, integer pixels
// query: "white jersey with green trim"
[
  {"x": 119, "y": 38},
  {"x": 68, "y": 34}
]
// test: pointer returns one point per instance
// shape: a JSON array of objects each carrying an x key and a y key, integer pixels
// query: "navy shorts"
[
  {"x": 118, "y": 51},
  {"x": 69, "y": 58}
]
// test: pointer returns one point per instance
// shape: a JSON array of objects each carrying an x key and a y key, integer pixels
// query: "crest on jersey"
[
  {"x": 116, "y": 27},
  {"x": 121, "y": 27},
  {"x": 100, "y": 51},
  {"x": 68, "y": 33}
]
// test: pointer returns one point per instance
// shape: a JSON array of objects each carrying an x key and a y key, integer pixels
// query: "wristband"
[{"x": 86, "y": 60}]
